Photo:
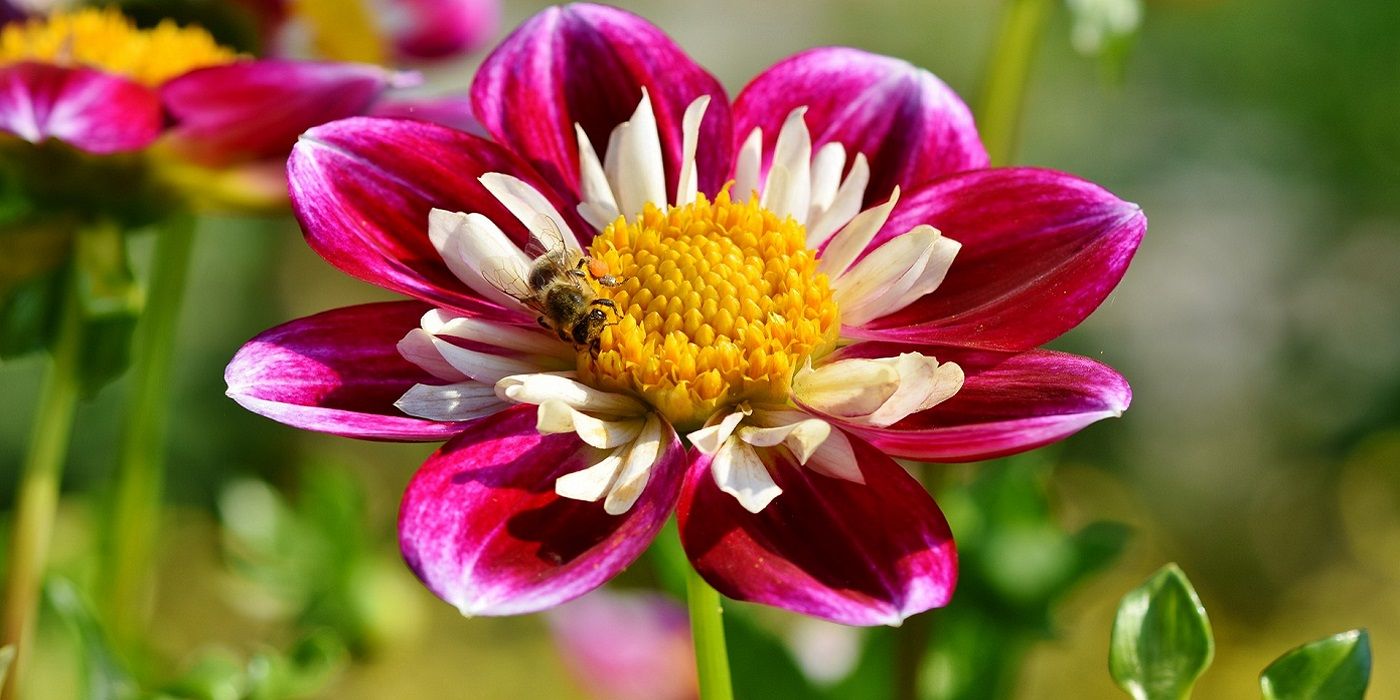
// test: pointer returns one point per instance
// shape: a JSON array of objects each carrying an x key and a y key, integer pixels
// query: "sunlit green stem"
[
  {"x": 37, "y": 497},
  {"x": 135, "y": 509},
  {"x": 707, "y": 630},
  {"x": 1005, "y": 84}
]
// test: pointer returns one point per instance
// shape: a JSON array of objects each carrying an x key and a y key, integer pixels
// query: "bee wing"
[{"x": 504, "y": 276}]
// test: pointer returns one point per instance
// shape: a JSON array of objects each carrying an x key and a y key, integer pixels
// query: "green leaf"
[
  {"x": 1161, "y": 638},
  {"x": 1335, "y": 668}
]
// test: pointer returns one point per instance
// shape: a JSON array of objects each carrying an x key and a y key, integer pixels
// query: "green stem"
[
  {"x": 707, "y": 630},
  {"x": 135, "y": 510},
  {"x": 1005, "y": 86},
  {"x": 37, "y": 497}
]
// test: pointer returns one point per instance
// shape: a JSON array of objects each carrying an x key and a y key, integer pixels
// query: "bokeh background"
[{"x": 1259, "y": 326}]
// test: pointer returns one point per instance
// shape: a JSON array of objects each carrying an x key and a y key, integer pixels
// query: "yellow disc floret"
[
  {"x": 109, "y": 41},
  {"x": 719, "y": 302}
]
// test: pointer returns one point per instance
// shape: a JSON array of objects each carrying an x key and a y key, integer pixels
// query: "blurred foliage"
[
  {"x": 313, "y": 560},
  {"x": 1162, "y": 640}
]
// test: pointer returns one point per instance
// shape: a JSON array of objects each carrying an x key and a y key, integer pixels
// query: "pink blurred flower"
[
  {"x": 870, "y": 291},
  {"x": 103, "y": 96},
  {"x": 627, "y": 646}
]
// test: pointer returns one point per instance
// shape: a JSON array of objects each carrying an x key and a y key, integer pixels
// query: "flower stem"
[
  {"x": 1005, "y": 86},
  {"x": 135, "y": 509},
  {"x": 707, "y": 630},
  {"x": 37, "y": 497}
]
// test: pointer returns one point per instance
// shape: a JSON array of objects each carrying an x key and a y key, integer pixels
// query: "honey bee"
[{"x": 556, "y": 287}]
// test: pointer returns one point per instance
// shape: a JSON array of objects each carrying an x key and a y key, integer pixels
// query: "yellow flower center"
[
  {"x": 719, "y": 302},
  {"x": 107, "y": 40}
]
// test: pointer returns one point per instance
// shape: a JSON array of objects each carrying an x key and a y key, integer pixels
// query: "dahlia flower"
[
  {"x": 810, "y": 281},
  {"x": 94, "y": 80}
]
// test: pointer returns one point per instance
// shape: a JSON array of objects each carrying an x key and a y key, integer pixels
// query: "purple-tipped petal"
[
  {"x": 337, "y": 372},
  {"x": 1040, "y": 251},
  {"x": 483, "y": 528},
  {"x": 1009, "y": 403},
  {"x": 85, "y": 108},
  {"x": 587, "y": 64},
  {"x": 858, "y": 554},
  {"x": 908, "y": 123},
  {"x": 256, "y": 109},
  {"x": 433, "y": 29},
  {"x": 363, "y": 187}
]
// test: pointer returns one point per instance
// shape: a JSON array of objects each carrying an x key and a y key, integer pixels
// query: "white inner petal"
[
  {"x": 689, "y": 182},
  {"x": 854, "y": 237},
  {"x": 711, "y": 437},
  {"x": 417, "y": 347},
  {"x": 592, "y": 484},
  {"x": 894, "y": 275},
  {"x": 845, "y": 205},
  {"x": 801, "y": 434},
  {"x": 489, "y": 368},
  {"x": 599, "y": 205},
  {"x": 440, "y": 323},
  {"x": 739, "y": 472},
  {"x": 477, "y": 251},
  {"x": 826, "y": 178},
  {"x": 450, "y": 402},
  {"x": 791, "y": 195},
  {"x": 527, "y": 205},
  {"x": 539, "y": 388},
  {"x": 746, "y": 166},
  {"x": 640, "y": 176},
  {"x": 836, "y": 458},
  {"x": 846, "y": 388},
  {"x": 646, "y": 450},
  {"x": 923, "y": 384},
  {"x": 878, "y": 392},
  {"x": 558, "y": 417}
]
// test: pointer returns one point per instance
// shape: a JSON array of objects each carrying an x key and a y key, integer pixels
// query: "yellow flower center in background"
[
  {"x": 719, "y": 302},
  {"x": 107, "y": 40}
]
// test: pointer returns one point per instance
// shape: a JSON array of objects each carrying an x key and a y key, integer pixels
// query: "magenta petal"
[
  {"x": 1009, "y": 403},
  {"x": 336, "y": 372},
  {"x": 256, "y": 109},
  {"x": 1040, "y": 251},
  {"x": 908, "y": 123},
  {"x": 433, "y": 29},
  {"x": 363, "y": 187},
  {"x": 587, "y": 64},
  {"x": 483, "y": 528},
  {"x": 88, "y": 109},
  {"x": 859, "y": 554},
  {"x": 450, "y": 110}
]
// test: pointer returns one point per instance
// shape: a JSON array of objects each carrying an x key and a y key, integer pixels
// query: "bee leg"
[
  {"x": 609, "y": 281},
  {"x": 543, "y": 323},
  {"x": 595, "y": 346},
  {"x": 600, "y": 301}
]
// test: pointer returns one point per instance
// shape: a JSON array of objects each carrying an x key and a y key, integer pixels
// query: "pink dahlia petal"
[
  {"x": 1008, "y": 403},
  {"x": 336, "y": 372},
  {"x": 1040, "y": 251},
  {"x": 908, "y": 123},
  {"x": 860, "y": 554},
  {"x": 256, "y": 109},
  {"x": 88, "y": 109},
  {"x": 363, "y": 187},
  {"x": 483, "y": 528},
  {"x": 587, "y": 64},
  {"x": 432, "y": 29}
]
